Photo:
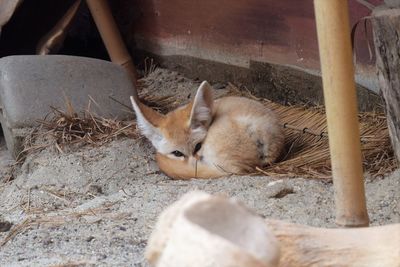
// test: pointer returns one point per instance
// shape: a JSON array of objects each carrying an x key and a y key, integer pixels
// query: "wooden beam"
[
  {"x": 386, "y": 29},
  {"x": 111, "y": 36},
  {"x": 341, "y": 111}
]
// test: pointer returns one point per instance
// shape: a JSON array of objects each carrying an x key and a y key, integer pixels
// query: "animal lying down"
[{"x": 210, "y": 138}]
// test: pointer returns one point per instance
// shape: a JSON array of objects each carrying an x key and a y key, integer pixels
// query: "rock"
[{"x": 30, "y": 85}]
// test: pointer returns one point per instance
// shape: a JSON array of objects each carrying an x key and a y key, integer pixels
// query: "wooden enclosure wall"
[{"x": 235, "y": 32}]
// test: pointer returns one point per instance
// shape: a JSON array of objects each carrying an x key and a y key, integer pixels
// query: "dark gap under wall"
[
  {"x": 34, "y": 18},
  {"x": 2, "y": 139}
]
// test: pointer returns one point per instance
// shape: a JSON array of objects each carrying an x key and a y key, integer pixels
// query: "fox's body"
[{"x": 208, "y": 139}]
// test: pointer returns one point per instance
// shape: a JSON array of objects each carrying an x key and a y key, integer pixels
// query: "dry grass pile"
[
  {"x": 307, "y": 150},
  {"x": 64, "y": 128}
]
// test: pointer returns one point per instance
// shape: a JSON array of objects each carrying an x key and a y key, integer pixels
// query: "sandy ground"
[{"x": 96, "y": 206}]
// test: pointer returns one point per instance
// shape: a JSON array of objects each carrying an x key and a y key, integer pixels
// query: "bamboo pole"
[
  {"x": 341, "y": 111},
  {"x": 111, "y": 36}
]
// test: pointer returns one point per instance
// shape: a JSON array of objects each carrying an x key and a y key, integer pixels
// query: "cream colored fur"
[{"x": 236, "y": 135}]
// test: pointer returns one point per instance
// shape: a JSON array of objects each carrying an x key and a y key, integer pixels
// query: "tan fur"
[
  {"x": 183, "y": 170},
  {"x": 239, "y": 135},
  {"x": 173, "y": 126}
]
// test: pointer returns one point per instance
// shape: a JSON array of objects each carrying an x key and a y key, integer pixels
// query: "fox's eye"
[
  {"x": 177, "y": 153},
  {"x": 197, "y": 148}
]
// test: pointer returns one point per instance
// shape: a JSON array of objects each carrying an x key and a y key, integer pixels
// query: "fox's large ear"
[
  {"x": 201, "y": 114},
  {"x": 148, "y": 120}
]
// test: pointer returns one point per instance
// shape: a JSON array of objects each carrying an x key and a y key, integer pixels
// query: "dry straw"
[
  {"x": 306, "y": 151},
  {"x": 306, "y": 147},
  {"x": 64, "y": 128}
]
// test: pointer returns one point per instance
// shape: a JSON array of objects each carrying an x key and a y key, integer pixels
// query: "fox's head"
[{"x": 180, "y": 133}]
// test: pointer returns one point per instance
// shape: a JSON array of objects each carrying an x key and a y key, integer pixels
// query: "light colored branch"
[{"x": 203, "y": 230}]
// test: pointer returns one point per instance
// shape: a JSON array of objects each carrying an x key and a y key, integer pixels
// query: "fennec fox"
[{"x": 210, "y": 138}]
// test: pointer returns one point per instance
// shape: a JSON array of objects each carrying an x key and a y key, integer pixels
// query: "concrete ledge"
[{"x": 29, "y": 85}]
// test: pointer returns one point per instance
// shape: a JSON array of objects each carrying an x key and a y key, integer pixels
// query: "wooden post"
[
  {"x": 341, "y": 111},
  {"x": 386, "y": 28},
  {"x": 111, "y": 36}
]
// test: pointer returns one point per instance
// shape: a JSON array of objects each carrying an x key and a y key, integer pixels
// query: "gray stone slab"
[{"x": 30, "y": 85}]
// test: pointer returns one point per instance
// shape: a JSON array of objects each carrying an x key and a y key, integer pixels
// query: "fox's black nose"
[{"x": 198, "y": 157}]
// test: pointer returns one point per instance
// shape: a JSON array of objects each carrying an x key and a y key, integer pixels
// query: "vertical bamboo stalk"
[
  {"x": 111, "y": 36},
  {"x": 341, "y": 111}
]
